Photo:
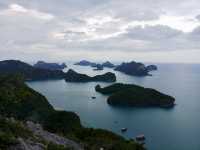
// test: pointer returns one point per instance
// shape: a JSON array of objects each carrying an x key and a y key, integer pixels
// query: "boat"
[
  {"x": 123, "y": 129},
  {"x": 140, "y": 137}
]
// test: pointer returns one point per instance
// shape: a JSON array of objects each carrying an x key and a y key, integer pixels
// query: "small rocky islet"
[{"x": 135, "y": 96}]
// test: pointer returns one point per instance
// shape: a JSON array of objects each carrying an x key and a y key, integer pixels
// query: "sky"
[{"x": 115, "y": 30}]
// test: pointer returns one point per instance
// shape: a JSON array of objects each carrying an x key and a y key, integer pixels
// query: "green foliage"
[
  {"x": 19, "y": 101},
  {"x": 62, "y": 122},
  {"x": 29, "y": 72},
  {"x": 72, "y": 76},
  {"x": 98, "y": 138},
  {"x": 10, "y": 131},
  {"x": 133, "y": 95},
  {"x": 52, "y": 146}
]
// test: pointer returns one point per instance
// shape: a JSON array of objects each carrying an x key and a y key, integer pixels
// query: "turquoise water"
[{"x": 165, "y": 129}]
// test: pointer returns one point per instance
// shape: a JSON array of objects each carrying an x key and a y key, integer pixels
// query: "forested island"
[
  {"x": 73, "y": 76},
  {"x": 135, "y": 96},
  {"x": 29, "y": 72},
  {"x": 99, "y": 66},
  {"x": 135, "y": 69},
  {"x": 50, "y": 66}
]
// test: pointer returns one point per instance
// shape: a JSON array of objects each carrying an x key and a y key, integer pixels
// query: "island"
[
  {"x": 29, "y": 72},
  {"x": 133, "y": 68},
  {"x": 73, "y": 76},
  {"x": 152, "y": 68},
  {"x": 85, "y": 63},
  {"x": 28, "y": 121},
  {"x": 98, "y": 67},
  {"x": 50, "y": 66},
  {"x": 135, "y": 96},
  {"x": 108, "y": 64}
]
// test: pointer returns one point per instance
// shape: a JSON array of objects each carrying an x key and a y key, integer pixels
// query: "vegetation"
[
  {"x": 133, "y": 95},
  {"x": 50, "y": 66},
  {"x": 85, "y": 63},
  {"x": 97, "y": 138},
  {"x": 92, "y": 64},
  {"x": 52, "y": 146},
  {"x": 72, "y": 76},
  {"x": 29, "y": 72},
  {"x": 9, "y": 131},
  {"x": 62, "y": 122},
  {"x": 135, "y": 69},
  {"x": 19, "y": 101}
]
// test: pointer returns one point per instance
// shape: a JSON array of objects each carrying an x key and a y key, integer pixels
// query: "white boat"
[
  {"x": 123, "y": 129},
  {"x": 140, "y": 137}
]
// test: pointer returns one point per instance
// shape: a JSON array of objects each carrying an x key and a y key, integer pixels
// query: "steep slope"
[
  {"x": 24, "y": 104},
  {"x": 29, "y": 72}
]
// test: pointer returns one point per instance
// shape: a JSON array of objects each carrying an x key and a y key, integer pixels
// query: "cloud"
[
  {"x": 17, "y": 10},
  {"x": 198, "y": 17},
  {"x": 33, "y": 28},
  {"x": 158, "y": 32}
]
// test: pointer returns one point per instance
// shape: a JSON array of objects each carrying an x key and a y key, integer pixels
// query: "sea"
[{"x": 177, "y": 128}]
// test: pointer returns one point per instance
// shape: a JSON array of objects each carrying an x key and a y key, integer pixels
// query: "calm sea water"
[{"x": 165, "y": 129}]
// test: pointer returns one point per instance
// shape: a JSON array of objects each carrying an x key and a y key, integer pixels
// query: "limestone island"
[
  {"x": 152, "y": 68},
  {"x": 29, "y": 72},
  {"x": 106, "y": 64},
  {"x": 136, "y": 96},
  {"x": 133, "y": 68},
  {"x": 50, "y": 66},
  {"x": 98, "y": 67},
  {"x": 85, "y": 63},
  {"x": 73, "y": 76}
]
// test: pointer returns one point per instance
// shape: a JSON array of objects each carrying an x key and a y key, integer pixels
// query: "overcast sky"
[{"x": 116, "y": 30}]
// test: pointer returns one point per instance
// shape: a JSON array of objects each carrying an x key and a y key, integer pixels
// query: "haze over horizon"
[{"x": 115, "y": 30}]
